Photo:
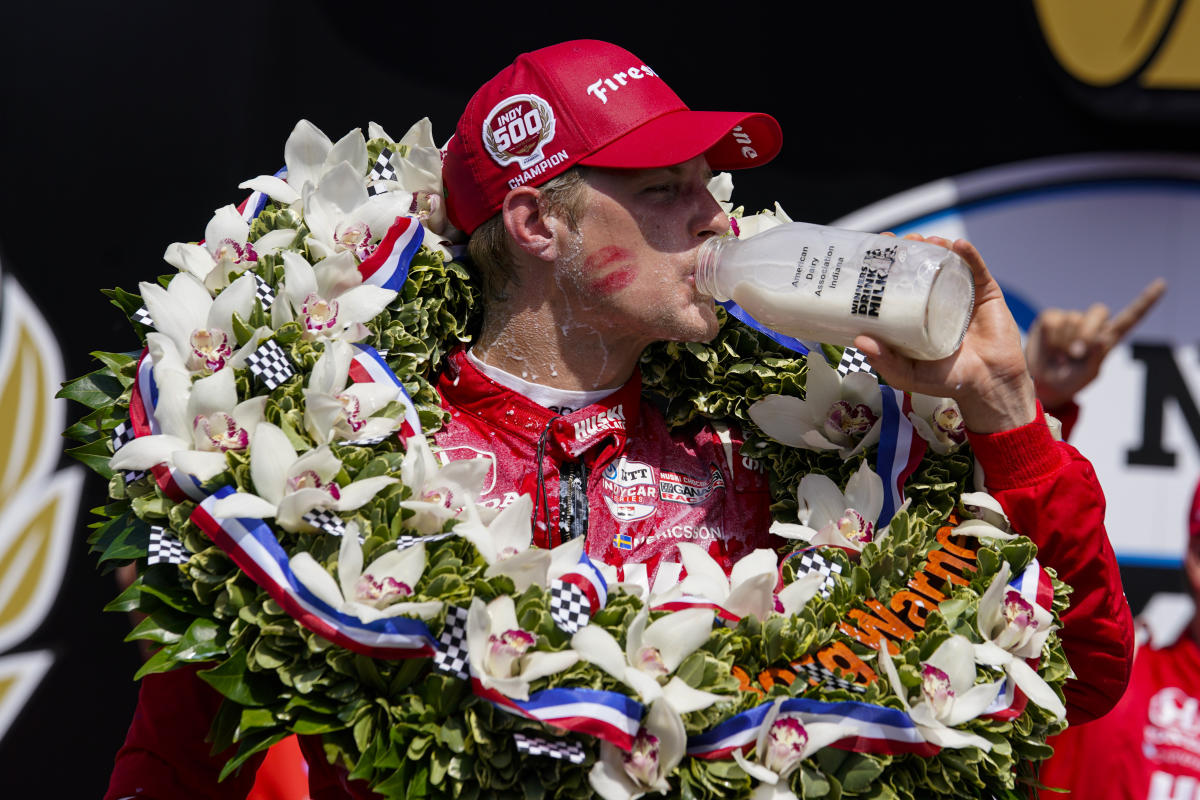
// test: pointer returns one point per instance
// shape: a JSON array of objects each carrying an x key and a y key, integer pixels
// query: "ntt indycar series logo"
[
  {"x": 516, "y": 131},
  {"x": 629, "y": 489}
]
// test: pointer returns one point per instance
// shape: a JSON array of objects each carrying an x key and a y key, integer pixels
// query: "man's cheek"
[{"x": 609, "y": 270}]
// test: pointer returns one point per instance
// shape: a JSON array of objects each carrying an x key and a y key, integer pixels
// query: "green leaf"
[
  {"x": 232, "y": 679},
  {"x": 204, "y": 640},
  {"x": 95, "y": 456},
  {"x": 255, "y": 742},
  {"x": 96, "y": 389}
]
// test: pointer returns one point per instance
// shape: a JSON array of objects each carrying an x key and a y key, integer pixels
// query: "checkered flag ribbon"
[
  {"x": 368, "y": 442},
  {"x": 381, "y": 170},
  {"x": 853, "y": 361},
  {"x": 828, "y": 677},
  {"x": 811, "y": 561},
  {"x": 326, "y": 520},
  {"x": 165, "y": 548},
  {"x": 264, "y": 292},
  {"x": 562, "y": 749},
  {"x": 122, "y": 435},
  {"x": 451, "y": 657},
  {"x": 569, "y": 606},
  {"x": 406, "y": 541},
  {"x": 142, "y": 317},
  {"x": 270, "y": 364}
]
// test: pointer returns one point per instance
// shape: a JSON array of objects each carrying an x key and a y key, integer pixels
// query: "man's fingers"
[
  {"x": 1132, "y": 314},
  {"x": 1088, "y": 332}
]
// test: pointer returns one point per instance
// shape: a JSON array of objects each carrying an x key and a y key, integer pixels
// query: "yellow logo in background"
[
  {"x": 1106, "y": 42},
  {"x": 38, "y": 503}
]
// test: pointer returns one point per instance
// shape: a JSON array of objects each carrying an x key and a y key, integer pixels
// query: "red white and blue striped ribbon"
[
  {"x": 587, "y": 577},
  {"x": 369, "y": 367},
  {"x": 900, "y": 451},
  {"x": 177, "y": 484},
  {"x": 253, "y": 205},
  {"x": 612, "y": 717},
  {"x": 253, "y": 547},
  {"x": 1033, "y": 583},
  {"x": 693, "y": 601},
  {"x": 144, "y": 398},
  {"x": 878, "y": 730},
  {"x": 387, "y": 267}
]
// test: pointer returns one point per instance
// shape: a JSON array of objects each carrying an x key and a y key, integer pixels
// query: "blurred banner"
[{"x": 1069, "y": 231}]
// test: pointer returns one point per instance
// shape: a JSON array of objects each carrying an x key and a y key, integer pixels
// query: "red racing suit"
[
  {"x": 612, "y": 471},
  {"x": 1149, "y": 743},
  {"x": 647, "y": 488}
]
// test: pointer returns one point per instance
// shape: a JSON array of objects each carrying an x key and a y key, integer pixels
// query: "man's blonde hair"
[{"x": 489, "y": 247}]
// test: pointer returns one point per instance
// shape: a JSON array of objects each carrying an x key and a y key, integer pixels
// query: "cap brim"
[{"x": 682, "y": 135}]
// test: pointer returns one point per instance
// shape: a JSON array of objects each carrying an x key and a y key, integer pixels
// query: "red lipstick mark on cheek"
[{"x": 616, "y": 274}]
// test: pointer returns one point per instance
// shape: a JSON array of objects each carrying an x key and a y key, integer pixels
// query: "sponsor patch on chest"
[
  {"x": 677, "y": 487},
  {"x": 629, "y": 489}
]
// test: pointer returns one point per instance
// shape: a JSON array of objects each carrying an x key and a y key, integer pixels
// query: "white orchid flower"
[
  {"x": 949, "y": 694},
  {"x": 784, "y": 741},
  {"x": 200, "y": 327},
  {"x": 341, "y": 216},
  {"x": 441, "y": 491},
  {"x": 335, "y": 411},
  {"x": 1013, "y": 630},
  {"x": 309, "y": 154},
  {"x": 843, "y": 414},
  {"x": 796, "y": 594},
  {"x": 200, "y": 421},
  {"x": 506, "y": 543},
  {"x": 373, "y": 593},
  {"x": 754, "y": 224},
  {"x": 225, "y": 249},
  {"x": 328, "y": 299},
  {"x": 501, "y": 653},
  {"x": 747, "y": 591},
  {"x": 652, "y": 652},
  {"x": 289, "y": 486},
  {"x": 829, "y": 517},
  {"x": 658, "y": 748},
  {"x": 938, "y": 421},
  {"x": 418, "y": 168},
  {"x": 720, "y": 186}
]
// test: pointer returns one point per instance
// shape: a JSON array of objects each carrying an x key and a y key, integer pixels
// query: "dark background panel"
[{"x": 126, "y": 125}]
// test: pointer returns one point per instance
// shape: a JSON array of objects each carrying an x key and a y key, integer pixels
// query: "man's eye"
[{"x": 660, "y": 188}]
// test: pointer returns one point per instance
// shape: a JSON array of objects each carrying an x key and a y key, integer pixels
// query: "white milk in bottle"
[{"x": 830, "y": 285}]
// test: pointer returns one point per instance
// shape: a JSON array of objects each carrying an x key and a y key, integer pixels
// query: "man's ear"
[{"x": 528, "y": 226}]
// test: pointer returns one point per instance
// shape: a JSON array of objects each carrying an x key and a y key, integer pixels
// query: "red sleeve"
[
  {"x": 165, "y": 755},
  {"x": 1068, "y": 415},
  {"x": 1051, "y": 494}
]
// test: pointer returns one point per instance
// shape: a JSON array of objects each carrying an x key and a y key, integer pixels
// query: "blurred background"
[{"x": 1061, "y": 137}]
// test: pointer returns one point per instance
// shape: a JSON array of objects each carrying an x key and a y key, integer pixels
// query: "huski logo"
[
  {"x": 37, "y": 502},
  {"x": 612, "y": 419},
  {"x": 629, "y": 489}
]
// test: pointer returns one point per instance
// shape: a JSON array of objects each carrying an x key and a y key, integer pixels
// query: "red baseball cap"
[{"x": 584, "y": 102}]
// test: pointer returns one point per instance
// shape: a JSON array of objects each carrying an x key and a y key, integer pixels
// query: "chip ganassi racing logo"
[
  {"x": 629, "y": 489},
  {"x": 676, "y": 487},
  {"x": 517, "y": 129}
]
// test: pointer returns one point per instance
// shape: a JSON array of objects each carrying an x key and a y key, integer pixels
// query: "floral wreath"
[{"x": 269, "y": 473}]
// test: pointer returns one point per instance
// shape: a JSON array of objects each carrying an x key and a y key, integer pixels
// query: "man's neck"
[{"x": 561, "y": 352}]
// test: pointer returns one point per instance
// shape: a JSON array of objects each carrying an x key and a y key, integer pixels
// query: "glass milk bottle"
[{"x": 829, "y": 285}]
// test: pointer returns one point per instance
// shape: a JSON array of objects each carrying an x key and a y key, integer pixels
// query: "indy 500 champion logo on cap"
[{"x": 517, "y": 129}]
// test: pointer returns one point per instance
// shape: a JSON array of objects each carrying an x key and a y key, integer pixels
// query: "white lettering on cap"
[
  {"x": 743, "y": 138},
  {"x": 618, "y": 80}
]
